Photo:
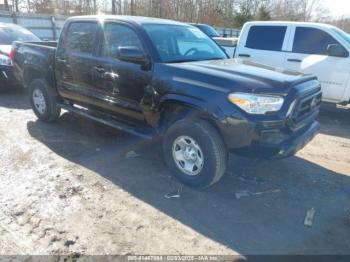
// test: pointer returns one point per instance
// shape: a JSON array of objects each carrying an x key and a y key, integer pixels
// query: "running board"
[{"x": 107, "y": 120}]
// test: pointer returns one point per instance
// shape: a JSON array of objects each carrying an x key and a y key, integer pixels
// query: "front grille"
[
  {"x": 306, "y": 109},
  {"x": 306, "y": 106}
]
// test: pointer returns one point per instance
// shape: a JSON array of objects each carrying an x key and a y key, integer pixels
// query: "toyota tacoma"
[{"x": 160, "y": 78}]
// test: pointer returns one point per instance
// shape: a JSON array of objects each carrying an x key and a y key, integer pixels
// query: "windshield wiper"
[
  {"x": 194, "y": 60},
  {"x": 181, "y": 60},
  {"x": 213, "y": 58}
]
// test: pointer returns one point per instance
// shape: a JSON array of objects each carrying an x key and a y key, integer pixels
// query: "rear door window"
[
  {"x": 81, "y": 37},
  {"x": 312, "y": 41},
  {"x": 269, "y": 38}
]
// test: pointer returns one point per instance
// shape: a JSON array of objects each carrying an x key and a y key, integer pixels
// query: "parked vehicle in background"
[
  {"x": 153, "y": 77},
  {"x": 207, "y": 29},
  {"x": 318, "y": 49},
  {"x": 227, "y": 43},
  {"x": 8, "y": 34}
]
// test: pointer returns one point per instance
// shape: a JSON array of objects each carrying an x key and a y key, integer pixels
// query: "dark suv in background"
[{"x": 8, "y": 34}]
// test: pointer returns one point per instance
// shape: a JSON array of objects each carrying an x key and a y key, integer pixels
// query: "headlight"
[
  {"x": 255, "y": 103},
  {"x": 5, "y": 60}
]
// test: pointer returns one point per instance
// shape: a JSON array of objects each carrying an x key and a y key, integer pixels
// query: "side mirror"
[
  {"x": 131, "y": 54},
  {"x": 337, "y": 50}
]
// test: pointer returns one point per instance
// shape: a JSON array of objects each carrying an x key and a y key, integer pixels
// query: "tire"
[
  {"x": 41, "y": 93},
  {"x": 211, "y": 153}
]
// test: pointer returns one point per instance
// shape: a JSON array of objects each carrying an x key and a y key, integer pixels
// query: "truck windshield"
[
  {"x": 342, "y": 34},
  {"x": 181, "y": 43},
  {"x": 9, "y": 34}
]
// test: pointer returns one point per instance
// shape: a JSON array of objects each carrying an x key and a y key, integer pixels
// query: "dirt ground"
[{"x": 69, "y": 187}]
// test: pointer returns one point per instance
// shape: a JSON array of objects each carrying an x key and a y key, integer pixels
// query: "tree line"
[{"x": 224, "y": 13}]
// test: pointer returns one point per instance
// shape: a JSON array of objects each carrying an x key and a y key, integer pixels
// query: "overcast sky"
[{"x": 338, "y": 7}]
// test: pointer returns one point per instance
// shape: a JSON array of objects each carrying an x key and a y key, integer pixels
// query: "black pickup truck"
[{"x": 159, "y": 78}]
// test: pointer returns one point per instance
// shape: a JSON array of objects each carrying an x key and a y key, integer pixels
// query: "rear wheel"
[
  {"x": 44, "y": 101},
  {"x": 195, "y": 153}
]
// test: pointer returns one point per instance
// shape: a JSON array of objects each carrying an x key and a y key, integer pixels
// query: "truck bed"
[
  {"x": 42, "y": 43},
  {"x": 40, "y": 54}
]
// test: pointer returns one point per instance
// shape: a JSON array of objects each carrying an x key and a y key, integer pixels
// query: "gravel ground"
[{"x": 74, "y": 187}]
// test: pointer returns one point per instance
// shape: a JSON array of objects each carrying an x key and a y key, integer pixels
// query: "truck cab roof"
[
  {"x": 140, "y": 20},
  {"x": 287, "y": 23}
]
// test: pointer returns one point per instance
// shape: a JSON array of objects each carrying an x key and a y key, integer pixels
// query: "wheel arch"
[
  {"x": 177, "y": 107},
  {"x": 32, "y": 72}
]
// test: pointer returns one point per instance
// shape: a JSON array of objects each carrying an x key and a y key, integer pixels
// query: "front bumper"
[
  {"x": 285, "y": 148},
  {"x": 294, "y": 144},
  {"x": 277, "y": 143}
]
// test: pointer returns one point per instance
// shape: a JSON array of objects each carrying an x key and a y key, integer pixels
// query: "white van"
[{"x": 319, "y": 49}]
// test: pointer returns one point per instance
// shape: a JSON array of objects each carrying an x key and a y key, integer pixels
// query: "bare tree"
[
  {"x": 6, "y": 5},
  {"x": 113, "y": 7},
  {"x": 299, "y": 10},
  {"x": 16, "y": 5},
  {"x": 226, "y": 13}
]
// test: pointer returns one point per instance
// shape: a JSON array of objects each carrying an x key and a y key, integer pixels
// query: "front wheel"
[
  {"x": 44, "y": 101},
  {"x": 195, "y": 153}
]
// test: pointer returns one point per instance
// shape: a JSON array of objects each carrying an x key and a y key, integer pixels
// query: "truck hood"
[{"x": 236, "y": 75}]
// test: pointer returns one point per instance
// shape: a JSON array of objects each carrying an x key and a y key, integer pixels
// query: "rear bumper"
[{"x": 7, "y": 78}]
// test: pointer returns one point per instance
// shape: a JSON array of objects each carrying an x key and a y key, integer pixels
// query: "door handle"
[
  {"x": 294, "y": 60},
  {"x": 110, "y": 76},
  {"x": 62, "y": 60},
  {"x": 244, "y": 55},
  {"x": 99, "y": 69}
]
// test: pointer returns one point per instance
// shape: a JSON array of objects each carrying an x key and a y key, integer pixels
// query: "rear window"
[
  {"x": 15, "y": 33},
  {"x": 266, "y": 37},
  {"x": 312, "y": 41},
  {"x": 81, "y": 37}
]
